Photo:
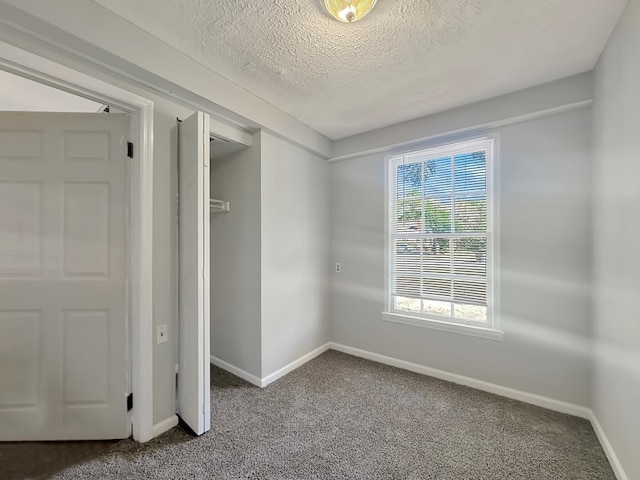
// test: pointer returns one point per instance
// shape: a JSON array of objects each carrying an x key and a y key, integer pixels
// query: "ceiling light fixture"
[{"x": 349, "y": 10}]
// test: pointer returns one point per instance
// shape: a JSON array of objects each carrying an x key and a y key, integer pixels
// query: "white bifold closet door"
[
  {"x": 194, "y": 223},
  {"x": 63, "y": 274}
]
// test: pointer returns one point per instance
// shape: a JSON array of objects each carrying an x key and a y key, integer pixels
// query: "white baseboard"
[
  {"x": 272, "y": 377},
  {"x": 293, "y": 365},
  {"x": 531, "y": 398},
  {"x": 238, "y": 372},
  {"x": 608, "y": 449},
  {"x": 165, "y": 425}
]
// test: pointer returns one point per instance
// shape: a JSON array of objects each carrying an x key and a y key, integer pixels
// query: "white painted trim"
[
  {"x": 227, "y": 132},
  {"x": 165, "y": 425},
  {"x": 272, "y": 377},
  {"x": 442, "y": 326},
  {"x": 614, "y": 461},
  {"x": 470, "y": 130},
  {"x": 449, "y": 146},
  {"x": 142, "y": 306},
  {"x": 293, "y": 365},
  {"x": 37, "y": 68},
  {"x": 531, "y": 398},
  {"x": 238, "y": 372}
]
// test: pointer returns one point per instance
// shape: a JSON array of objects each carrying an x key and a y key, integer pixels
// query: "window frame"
[{"x": 492, "y": 327}]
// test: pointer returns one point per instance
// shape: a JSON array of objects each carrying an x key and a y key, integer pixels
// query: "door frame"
[{"x": 140, "y": 223}]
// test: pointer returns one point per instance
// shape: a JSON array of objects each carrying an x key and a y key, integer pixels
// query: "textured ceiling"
[{"x": 406, "y": 59}]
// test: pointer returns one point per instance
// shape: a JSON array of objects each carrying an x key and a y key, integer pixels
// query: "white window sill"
[{"x": 471, "y": 330}]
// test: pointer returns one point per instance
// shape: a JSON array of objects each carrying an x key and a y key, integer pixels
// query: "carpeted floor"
[{"x": 346, "y": 418}]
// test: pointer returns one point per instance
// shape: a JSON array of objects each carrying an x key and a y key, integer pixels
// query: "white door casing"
[
  {"x": 194, "y": 294},
  {"x": 63, "y": 276}
]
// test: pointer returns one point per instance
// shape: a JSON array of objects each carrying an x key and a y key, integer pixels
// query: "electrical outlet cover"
[{"x": 162, "y": 334}]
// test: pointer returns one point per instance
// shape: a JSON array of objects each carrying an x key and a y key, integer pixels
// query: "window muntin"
[{"x": 440, "y": 233}]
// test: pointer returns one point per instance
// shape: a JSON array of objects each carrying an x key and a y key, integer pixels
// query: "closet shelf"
[{"x": 218, "y": 206}]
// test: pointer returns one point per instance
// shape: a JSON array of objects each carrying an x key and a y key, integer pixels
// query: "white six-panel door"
[{"x": 63, "y": 204}]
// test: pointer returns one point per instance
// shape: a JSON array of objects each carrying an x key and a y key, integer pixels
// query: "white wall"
[
  {"x": 616, "y": 233},
  {"x": 21, "y": 94},
  {"x": 295, "y": 252},
  {"x": 235, "y": 260},
  {"x": 545, "y": 181},
  {"x": 491, "y": 113}
]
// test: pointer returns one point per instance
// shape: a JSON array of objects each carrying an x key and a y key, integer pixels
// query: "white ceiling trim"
[{"x": 543, "y": 100}]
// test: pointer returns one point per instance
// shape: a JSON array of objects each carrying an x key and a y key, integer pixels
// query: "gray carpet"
[
  {"x": 347, "y": 418},
  {"x": 39, "y": 460}
]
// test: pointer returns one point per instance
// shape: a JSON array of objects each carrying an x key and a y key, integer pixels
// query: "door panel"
[
  {"x": 193, "y": 375},
  {"x": 20, "y": 385},
  {"x": 20, "y": 220},
  {"x": 86, "y": 378},
  {"x": 86, "y": 229},
  {"x": 63, "y": 199}
]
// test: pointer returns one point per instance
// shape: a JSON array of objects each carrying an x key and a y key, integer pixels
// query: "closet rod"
[{"x": 218, "y": 206}]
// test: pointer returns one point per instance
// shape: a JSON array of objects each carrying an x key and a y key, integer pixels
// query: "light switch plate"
[{"x": 162, "y": 334}]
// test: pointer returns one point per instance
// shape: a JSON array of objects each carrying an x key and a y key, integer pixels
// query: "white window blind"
[{"x": 440, "y": 232}]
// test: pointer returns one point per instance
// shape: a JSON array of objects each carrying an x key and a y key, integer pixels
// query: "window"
[{"x": 441, "y": 238}]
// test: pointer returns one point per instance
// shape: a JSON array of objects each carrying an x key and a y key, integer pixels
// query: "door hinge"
[
  {"x": 130, "y": 402},
  {"x": 130, "y": 149}
]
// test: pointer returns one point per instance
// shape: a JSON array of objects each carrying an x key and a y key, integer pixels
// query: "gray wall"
[
  {"x": 165, "y": 167},
  {"x": 545, "y": 181},
  {"x": 235, "y": 259},
  {"x": 295, "y": 252},
  {"x": 269, "y": 255},
  {"x": 616, "y": 234},
  {"x": 165, "y": 158},
  {"x": 487, "y": 113}
]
